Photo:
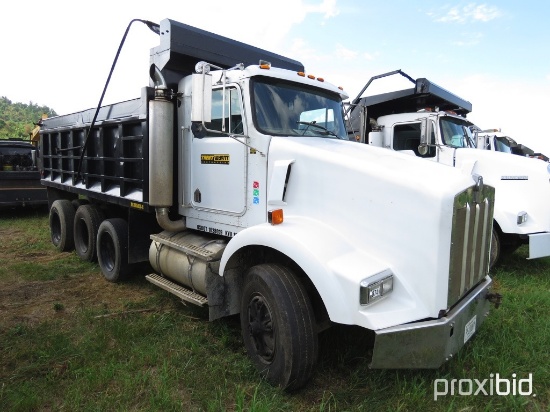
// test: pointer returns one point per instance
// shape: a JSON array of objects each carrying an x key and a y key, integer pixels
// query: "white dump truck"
[
  {"x": 233, "y": 177},
  {"x": 494, "y": 139},
  {"x": 429, "y": 122}
]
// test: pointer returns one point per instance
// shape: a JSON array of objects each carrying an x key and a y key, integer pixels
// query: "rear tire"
[
  {"x": 278, "y": 326},
  {"x": 62, "y": 215},
  {"x": 79, "y": 202},
  {"x": 112, "y": 249},
  {"x": 86, "y": 226}
]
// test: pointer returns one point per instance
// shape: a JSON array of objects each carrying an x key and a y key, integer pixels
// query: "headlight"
[
  {"x": 376, "y": 287},
  {"x": 522, "y": 217}
]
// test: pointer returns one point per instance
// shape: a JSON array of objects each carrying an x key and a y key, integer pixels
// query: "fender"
[{"x": 333, "y": 264}]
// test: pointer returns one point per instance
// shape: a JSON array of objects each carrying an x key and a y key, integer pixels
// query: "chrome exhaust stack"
[{"x": 161, "y": 152}]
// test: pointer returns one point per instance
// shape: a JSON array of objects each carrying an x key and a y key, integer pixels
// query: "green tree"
[{"x": 18, "y": 119}]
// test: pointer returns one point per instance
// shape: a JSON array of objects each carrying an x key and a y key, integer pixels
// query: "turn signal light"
[{"x": 275, "y": 217}]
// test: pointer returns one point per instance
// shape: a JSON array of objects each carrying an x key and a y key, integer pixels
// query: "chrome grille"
[{"x": 470, "y": 239}]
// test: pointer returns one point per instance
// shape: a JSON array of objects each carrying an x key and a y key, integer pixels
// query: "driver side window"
[
  {"x": 226, "y": 113},
  {"x": 407, "y": 137}
]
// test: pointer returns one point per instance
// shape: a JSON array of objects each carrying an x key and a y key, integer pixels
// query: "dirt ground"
[
  {"x": 82, "y": 287},
  {"x": 38, "y": 301}
]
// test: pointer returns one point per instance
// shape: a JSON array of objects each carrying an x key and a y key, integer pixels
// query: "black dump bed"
[
  {"x": 424, "y": 95},
  {"x": 115, "y": 164},
  {"x": 182, "y": 46}
]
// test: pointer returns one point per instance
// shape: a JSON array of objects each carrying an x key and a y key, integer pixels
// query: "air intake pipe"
[{"x": 161, "y": 152}]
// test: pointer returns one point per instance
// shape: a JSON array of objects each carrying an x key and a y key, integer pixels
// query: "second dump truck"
[
  {"x": 233, "y": 177},
  {"x": 427, "y": 121}
]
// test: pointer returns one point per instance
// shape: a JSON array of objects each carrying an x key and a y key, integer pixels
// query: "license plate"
[{"x": 469, "y": 329}]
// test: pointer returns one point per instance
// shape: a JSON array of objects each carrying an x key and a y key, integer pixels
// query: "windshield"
[
  {"x": 504, "y": 144},
  {"x": 292, "y": 109},
  {"x": 455, "y": 132}
]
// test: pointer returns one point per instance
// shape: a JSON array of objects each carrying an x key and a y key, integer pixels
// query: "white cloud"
[
  {"x": 370, "y": 56},
  {"x": 517, "y": 106},
  {"x": 75, "y": 49},
  {"x": 483, "y": 12},
  {"x": 327, "y": 8},
  {"x": 470, "y": 13},
  {"x": 468, "y": 39},
  {"x": 343, "y": 52}
]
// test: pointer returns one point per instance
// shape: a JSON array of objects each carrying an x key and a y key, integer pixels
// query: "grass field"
[{"x": 72, "y": 341}]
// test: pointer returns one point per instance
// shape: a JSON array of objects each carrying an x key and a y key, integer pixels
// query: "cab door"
[{"x": 218, "y": 162}]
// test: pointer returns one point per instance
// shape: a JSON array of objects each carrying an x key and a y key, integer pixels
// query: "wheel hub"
[{"x": 260, "y": 326}]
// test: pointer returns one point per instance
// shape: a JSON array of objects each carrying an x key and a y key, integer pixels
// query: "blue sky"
[{"x": 494, "y": 54}]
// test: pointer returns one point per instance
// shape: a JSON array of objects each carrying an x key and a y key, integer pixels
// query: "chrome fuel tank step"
[{"x": 186, "y": 258}]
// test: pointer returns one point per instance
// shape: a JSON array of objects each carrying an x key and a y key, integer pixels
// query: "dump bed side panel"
[{"x": 115, "y": 162}]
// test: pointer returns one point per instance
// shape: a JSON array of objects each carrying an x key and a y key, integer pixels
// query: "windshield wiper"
[{"x": 314, "y": 124}]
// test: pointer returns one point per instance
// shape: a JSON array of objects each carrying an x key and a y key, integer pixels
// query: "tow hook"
[{"x": 494, "y": 298}]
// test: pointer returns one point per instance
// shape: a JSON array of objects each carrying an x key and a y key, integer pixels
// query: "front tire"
[
  {"x": 494, "y": 255},
  {"x": 112, "y": 249},
  {"x": 61, "y": 225},
  {"x": 278, "y": 326}
]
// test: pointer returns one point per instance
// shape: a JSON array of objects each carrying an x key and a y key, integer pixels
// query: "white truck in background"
[
  {"x": 235, "y": 180},
  {"x": 429, "y": 122},
  {"x": 495, "y": 140}
]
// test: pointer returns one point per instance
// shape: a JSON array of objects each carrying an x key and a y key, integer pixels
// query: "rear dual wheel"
[
  {"x": 61, "y": 218},
  {"x": 87, "y": 220},
  {"x": 112, "y": 249}
]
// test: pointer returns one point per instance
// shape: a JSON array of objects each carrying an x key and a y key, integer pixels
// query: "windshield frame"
[
  {"x": 467, "y": 138},
  {"x": 295, "y": 124}
]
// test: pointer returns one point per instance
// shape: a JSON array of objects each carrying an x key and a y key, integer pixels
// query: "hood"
[{"x": 394, "y": 206}]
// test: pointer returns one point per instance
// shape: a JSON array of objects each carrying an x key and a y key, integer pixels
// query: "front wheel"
[
  {"x": 112, "y": 249},
  {"x": 278, "y": 326},
  {"x": 494, "y": 255}
]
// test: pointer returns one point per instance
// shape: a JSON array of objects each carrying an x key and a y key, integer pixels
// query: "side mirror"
[
  {"x": 201, "y": 98},
  {"x": 425, "y": 136}
]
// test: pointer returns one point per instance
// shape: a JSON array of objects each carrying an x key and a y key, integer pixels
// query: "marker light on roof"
[{"x": 265, "y": 64}]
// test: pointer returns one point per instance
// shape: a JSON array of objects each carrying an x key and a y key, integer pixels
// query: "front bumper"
[
  {"x": 429, "y": 344},
  {"x": 539, "y": 245}
]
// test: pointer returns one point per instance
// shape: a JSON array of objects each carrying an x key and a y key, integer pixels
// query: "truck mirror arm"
[
  {"x": 398, "y": 71},
  {"x": 199, "y": 131}
]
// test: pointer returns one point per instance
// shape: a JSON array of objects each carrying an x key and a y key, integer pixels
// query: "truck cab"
[
  {"x": 494, "y": 139},
  {"x": 250, "y": 112}
]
